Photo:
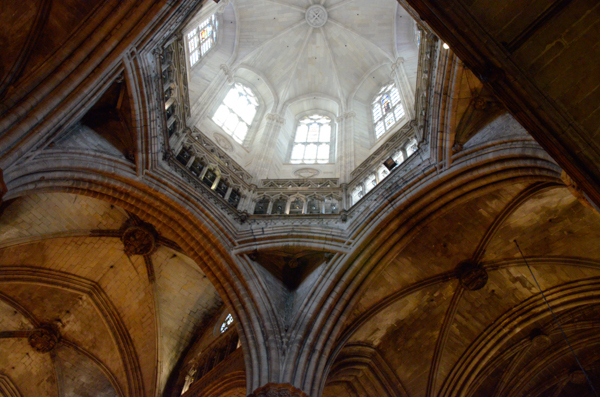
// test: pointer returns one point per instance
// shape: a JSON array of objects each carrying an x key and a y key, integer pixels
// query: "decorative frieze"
[
  {"x": 307, "y": 172},
  {"x": 327, "y": 183}
]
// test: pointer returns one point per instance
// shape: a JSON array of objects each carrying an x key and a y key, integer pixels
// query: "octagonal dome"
[{"x": 299, "y": 56}]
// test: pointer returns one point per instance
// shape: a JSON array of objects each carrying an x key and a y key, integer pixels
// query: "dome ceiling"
[{"x": 329, "y": 47}]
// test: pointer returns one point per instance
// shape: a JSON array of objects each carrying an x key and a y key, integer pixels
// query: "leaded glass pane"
[
  {"x": 386, "y": 103},
  {"x": 395, "y": 96},
  {"x": 379, "y": 129},
  {"x": 301, "y": 133},
  {"x": 310, "y": 153},
  {"x": 399, "y": 112},
  {"x": 387, "y": 106},
  {"x": 194, "y": 56},
  {"x": 313, "y": 133},
  {"x": 193, "y": 43},
  {"x": 237, "y": 112},
  {"x": 221, "y": 115},
  {"x": 247, "y": 112},
  {"x": 310, "y": 131},
  {"x": 297, "y": 154},
  {"x": 325, "y": 133},
  {"x": 202, "y": 39},
  {"x": 389, "y": 120},
  {"x": 240, "y": 132},
  {"x": 231, "y": 122},
  {"x": 376, "y": 112},
  {"x": 323, "y": 153}
]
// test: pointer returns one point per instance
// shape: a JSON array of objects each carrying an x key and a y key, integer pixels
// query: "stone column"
[
  {"x": 346, "y": 145},
  {"x": 267, "y": 144},
  {"x": 203, "y": 105},
  {"x": 407, "y": 95}
]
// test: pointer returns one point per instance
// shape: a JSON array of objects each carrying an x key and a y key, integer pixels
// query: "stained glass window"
[
  {"x": 236, "y": 113},
  {"x": 387, "y": 109},
  {"x": 227, "y": 323},
  {"x": 312, "y": 141},
  {"x": 201, "y": 39}
]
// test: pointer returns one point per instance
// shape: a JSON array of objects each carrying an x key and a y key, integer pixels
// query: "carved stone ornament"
[
  {"x": 540, "y": 342},
  {"x": 307, "y": 172},
  {"x": 276, "y": 118},
  {"x": 278, "y": 390},
  {"x": 223, "y": 142},
  {"x": 222, "y": 5},
  {"x": 228, "y": 73},
  {"x": 480, "y": 103},
  {"x": 316, "y": 16},
  {"x": 44, "y": 339},
  {"x": 472, "y": 276},
  {"x": 139, "y": 240}
]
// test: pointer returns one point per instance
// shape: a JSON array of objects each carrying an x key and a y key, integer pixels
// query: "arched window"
[
  {"x": 313, "y": 140},
  {"x": 237, "y": 111},
  {"x": 202, "y": 39},
  {"x": 387, "y": 109},
  {"x": 226, "y": 323}
]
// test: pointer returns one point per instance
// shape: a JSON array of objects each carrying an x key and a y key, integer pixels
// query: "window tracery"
[
  {"x": 202, "y": 39},
  {"x": 226, "y": 323},
  {"x": 312, "y": 142},
  {"x": 387, "y": 109},
  {"x": 236, "y": 113}
]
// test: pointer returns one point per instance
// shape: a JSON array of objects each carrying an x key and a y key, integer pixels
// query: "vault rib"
[
  {"x": 295, "y": 67},
  {"x": 335, "y": 68},
  {"x": 441, "y": 341}
]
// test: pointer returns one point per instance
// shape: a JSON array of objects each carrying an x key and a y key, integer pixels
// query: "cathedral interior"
[{"x": 293, "y": 198}]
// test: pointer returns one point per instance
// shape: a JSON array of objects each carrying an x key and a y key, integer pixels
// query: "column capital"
[
  {"x": 397, "y": 63},
  {"x": 275, "y": 118},
  {"x": 222, "y": 5},
  {"x": 228, "y": 72},
  {"x": 278, "y": 390},
  {"x": 345, "y": 116}
]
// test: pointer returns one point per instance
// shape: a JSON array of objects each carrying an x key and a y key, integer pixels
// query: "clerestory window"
[
  {"x": 236, "y": 113},
  {"x": 226, "y": 323},
  {"x": 387, "y": 109},
  {"x": 312, "y": 142},
  {"x": 202, "y": 39}
]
